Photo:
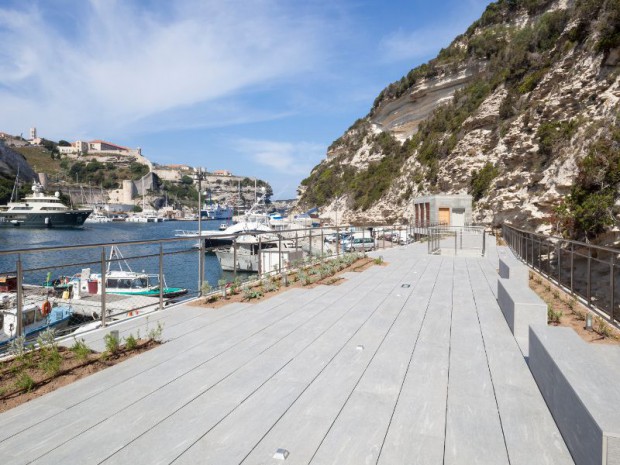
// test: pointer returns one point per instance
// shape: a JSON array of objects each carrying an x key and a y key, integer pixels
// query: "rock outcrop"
[
  {"x": 525, "y": 96},
  {"x": 11, "y": 162}
]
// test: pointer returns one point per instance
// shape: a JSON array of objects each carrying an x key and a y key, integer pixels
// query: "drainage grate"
[{"x": 406, "y": 285}]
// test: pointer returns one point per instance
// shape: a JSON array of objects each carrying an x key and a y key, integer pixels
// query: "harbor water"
[{"x": 180, "y": 264}]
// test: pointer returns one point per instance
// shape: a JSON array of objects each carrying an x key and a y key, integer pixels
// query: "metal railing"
[
  {"x": 457, "y": 240},
  {"x": 587, "y": 271},
  {"x": 71, "y": 276}
]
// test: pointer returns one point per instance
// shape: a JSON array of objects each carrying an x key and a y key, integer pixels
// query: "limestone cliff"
[
  {"x": 521, "y": 111},
  {"x": 11, "y": 161}
]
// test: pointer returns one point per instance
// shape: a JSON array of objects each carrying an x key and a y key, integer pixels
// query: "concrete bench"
[
  {"x": 521, "y": 308},
  {"x": 511, "y": 268},
  {"x": 581, "y": 386}
]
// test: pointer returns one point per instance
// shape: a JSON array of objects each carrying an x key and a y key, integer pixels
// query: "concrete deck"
[{"x": 368, "y": 372}]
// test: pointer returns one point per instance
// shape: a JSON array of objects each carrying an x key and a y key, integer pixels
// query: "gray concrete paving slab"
[{"x": 439, "y": 379}]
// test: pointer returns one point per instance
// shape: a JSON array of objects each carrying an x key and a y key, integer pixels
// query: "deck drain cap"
[
  {"x": 360, "y": 347},
  {"x": 406, "y": 285},
  {"x": 281, "y": 454}
]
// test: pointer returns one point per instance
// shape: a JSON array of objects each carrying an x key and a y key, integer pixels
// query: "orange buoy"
[{"x": 46, "y": 308}]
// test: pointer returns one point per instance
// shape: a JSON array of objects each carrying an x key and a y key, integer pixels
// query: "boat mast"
[{"x": 15, "y": 184}]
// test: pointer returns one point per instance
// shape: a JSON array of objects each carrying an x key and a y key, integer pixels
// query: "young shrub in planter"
[{"x": 80, "y": 350}]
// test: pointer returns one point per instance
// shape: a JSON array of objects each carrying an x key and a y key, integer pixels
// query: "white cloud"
[
  {"x": 294, "y": 159},
  {"x": 117, "y": 66}
]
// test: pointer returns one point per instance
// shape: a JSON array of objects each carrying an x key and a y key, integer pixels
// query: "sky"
[{"x": 260, "y": 88}]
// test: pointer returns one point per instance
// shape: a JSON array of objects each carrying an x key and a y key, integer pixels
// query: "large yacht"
[{"x": 39, "y": 210}]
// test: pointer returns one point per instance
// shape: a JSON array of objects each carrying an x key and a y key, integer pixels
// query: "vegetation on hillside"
[
  {"x": 591, "y": 205},
  {"x": 517, "y": 59}
]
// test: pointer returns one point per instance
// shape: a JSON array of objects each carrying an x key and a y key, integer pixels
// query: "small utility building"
[{"x": 448, "y": 210}]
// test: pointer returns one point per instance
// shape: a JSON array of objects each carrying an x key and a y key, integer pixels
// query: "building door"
[
  {"x": 458, "y": 217},
  {"x": 444, "y": 216}
]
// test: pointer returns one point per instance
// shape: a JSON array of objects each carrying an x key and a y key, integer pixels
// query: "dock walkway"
[{"x": 407, "y": 363}]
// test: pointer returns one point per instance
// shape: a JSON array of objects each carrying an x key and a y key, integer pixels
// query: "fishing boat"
[
  {"x": 124, "y": 281},
  {"x": 39, "y": 210},
  {"x": 35, "y": 319}
]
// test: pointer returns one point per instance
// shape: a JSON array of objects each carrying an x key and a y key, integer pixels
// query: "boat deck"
[{"x": 411, "y": 362}]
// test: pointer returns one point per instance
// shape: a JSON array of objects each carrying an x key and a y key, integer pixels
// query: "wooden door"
[{"x": 444, "y": 216}]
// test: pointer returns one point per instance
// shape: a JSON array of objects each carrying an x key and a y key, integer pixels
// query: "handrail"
[{"x": 570, "y": 264}]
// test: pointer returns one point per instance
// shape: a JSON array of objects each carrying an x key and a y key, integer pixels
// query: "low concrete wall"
[
  {"x": 521, "y": 308},
  {"x": 581, "y": 386},
  {"x": 511, "y": 268}
]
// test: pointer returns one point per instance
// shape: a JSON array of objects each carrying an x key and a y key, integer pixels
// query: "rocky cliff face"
[
  {"x": 518, "y": 111},
  {"x": 11, "y": 161}
]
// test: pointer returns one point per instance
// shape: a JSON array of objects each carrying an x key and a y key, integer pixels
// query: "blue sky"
[{"x": 258, "y": 87}]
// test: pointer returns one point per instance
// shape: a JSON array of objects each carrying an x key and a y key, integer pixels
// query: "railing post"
[
  {"x": 103, "y": 288},
  {"x": 19, "y": 329},
  {"x": 612, "y": 289},
  {"x": 588, "y": 285},
  {"x": 201, "y": 257},
  {"x": 456, "y": 234},
  {"x": 559, "y": 262},
  {"x": 363, "y": 241},
  {"x": 296, "y": 241},
  {"x": 161, "y": 276},
  {"x": 572, "y": 262},
  {"x": 484, "y": 243},
  {"x": 310, "y": 241},
  {"x": 234, "y": 244},
  {"x": 322, "y": 243},
  {"x": 337, "y": 241},
  {"x": 260, "y": 257},
  {"x": 279, "y": 253}
]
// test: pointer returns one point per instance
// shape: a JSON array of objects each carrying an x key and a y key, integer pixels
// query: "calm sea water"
[{"x": 180, "y": 260}]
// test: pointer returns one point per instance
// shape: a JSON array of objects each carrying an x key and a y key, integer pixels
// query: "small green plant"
[
  {"x": 269, "y": 286},
  {"x": 131, "y": 342},
  {"x": 80, "y": 349},
  {"x": 538, "y": 280},
  {"x": 579, "y": 314},
  {"x": 571, "y": 304},
  {"x": 206, "y": 288},
  {"x": 24, "y": 382},
  {"x": 556, "y": 294},
  {"x": 378, "y": 260},
  {"x": 17, "y": 347},
  {"x": 250, "y": 293},
  {"x": 155, "y": 333},
  {"x": 3, "y": 391},
  {"x": 553, "y": 317},
  {"x": 601, "y": 327},
  {"x": 235, "y": 286},
  {"x": 112, "y": 344},
  {"x": 50, "y": 358},
  {"x": 547, "y": 287},
  {"x": 304, "y": 279}
]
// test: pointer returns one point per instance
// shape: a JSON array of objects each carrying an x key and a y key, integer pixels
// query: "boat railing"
[{"x": 178, "y": 263}]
